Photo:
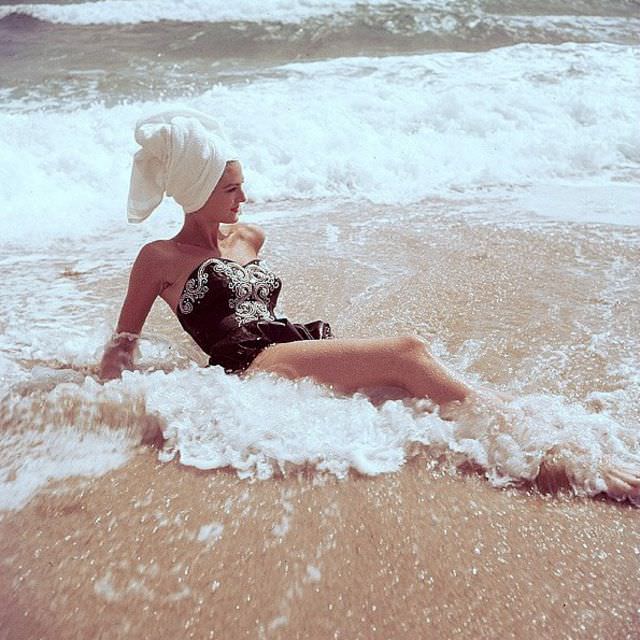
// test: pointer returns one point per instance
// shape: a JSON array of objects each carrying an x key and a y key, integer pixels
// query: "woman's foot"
[{"x": 621, "y": 479}]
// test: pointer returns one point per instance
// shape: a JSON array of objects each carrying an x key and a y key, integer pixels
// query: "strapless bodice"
[
  {"x": 229, "y": 310},
  {"x": 221, "y": 291}
]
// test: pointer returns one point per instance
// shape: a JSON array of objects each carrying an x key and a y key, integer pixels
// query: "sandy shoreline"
[{"x": 166, "y": 551}]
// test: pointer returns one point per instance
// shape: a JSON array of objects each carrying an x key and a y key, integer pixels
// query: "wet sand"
[{"x": 164, "y": 551}]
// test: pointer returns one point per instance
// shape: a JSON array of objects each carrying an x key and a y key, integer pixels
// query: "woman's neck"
[{"x": 194, "y": 233}]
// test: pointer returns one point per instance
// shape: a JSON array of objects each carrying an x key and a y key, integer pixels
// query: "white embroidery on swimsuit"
[
  {"x": 251, "y": 286},
  {"x": 193, "y": 291}
]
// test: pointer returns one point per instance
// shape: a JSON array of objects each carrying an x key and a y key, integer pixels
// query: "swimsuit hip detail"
[{"x": 229, "y": 310}]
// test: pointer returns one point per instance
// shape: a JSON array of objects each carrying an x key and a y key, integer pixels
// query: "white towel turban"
[{"x": 184, "y": 153}]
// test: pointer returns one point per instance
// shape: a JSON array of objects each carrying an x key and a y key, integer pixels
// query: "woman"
[{"x": 212, "y": 279}]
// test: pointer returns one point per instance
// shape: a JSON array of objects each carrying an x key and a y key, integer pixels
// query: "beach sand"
[{"x": 165, "y": 551}]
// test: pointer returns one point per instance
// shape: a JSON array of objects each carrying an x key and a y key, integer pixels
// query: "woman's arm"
[{"x": 145, "y": 284}]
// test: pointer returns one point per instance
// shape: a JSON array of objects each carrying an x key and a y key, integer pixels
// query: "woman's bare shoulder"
[
  {"x": 157, "y": 251},
  {"x": 250, "y": 233},
  {"x": 153, "y": 262}
]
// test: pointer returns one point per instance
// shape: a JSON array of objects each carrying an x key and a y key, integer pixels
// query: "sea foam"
[
  {"x": 127, "y": 12},
  {"x": 476, "y": 21},
  {"x": 265, "y": 426},
  {"x": 393, "y": 130},
  {"x": 57, "y": 434}
]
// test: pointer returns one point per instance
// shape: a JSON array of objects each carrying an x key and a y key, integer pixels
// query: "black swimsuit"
[{"x": 228, "y": 309}]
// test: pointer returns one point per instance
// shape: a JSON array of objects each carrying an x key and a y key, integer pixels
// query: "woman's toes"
[{"x": 622, "y": 481}]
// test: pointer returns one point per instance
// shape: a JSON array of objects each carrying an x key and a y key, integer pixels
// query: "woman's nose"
[{"x": 242, "y": 197}]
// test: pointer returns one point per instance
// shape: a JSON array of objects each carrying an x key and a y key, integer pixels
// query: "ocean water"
[{"x": 468, "y": 171}]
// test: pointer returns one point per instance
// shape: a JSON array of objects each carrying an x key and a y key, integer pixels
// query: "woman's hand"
[{"x": 118, "y": 355}]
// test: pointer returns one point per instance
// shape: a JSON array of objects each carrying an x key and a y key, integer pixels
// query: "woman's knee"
[
  {"x": 411, "y": 346},
  {"x": 410, "y": 356}
]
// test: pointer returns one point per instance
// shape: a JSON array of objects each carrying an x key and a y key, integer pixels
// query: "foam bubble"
[
  {"x": 210, "y": 532},
  {"x": 587, "y": 202},
  {"x": 444, "y": 20},
  {"x": 54, "y": 453}
]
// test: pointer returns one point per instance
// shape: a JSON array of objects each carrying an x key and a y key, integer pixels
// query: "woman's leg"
[
  {"x": 405, "y": 362},
  {"x": 349, "y": 365}
]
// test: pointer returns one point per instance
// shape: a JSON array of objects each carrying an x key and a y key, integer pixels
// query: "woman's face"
[{"x": 224, "y": 202}]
